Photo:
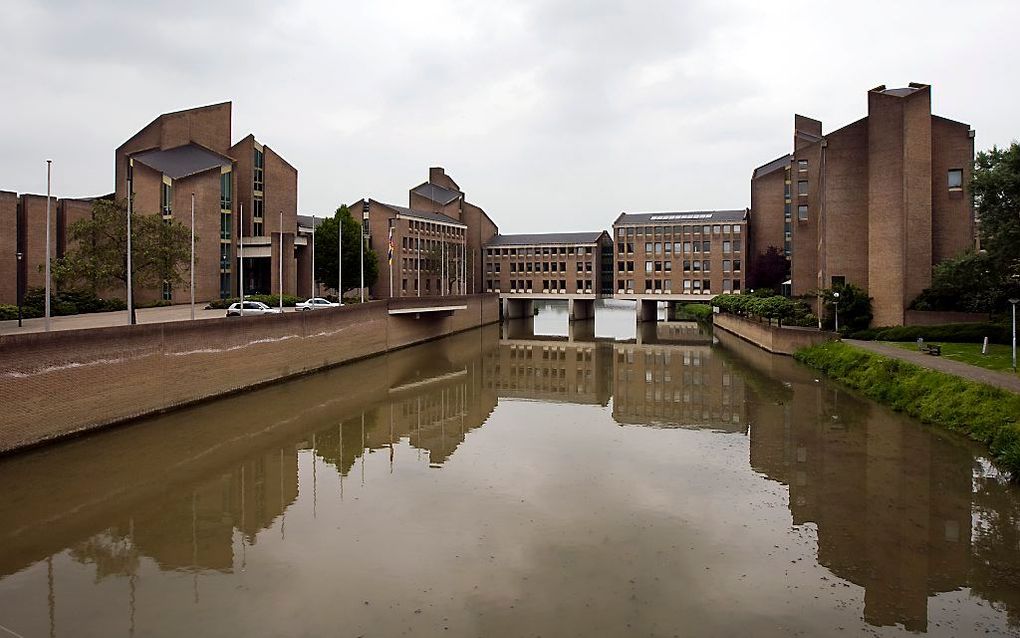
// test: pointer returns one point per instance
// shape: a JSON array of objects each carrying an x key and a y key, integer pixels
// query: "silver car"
[
  {"x": 316, "y": 303},
  {"x": 251, "y": 308}
]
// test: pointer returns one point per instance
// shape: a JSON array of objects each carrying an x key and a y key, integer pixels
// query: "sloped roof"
[
  {"x": 310, "y": 221},
  {"x": 774, "y": 165},
  {"x": 423, "y": 215},
  {"x": 182, "y": 161},
  {"x": 437, "y": 194},
  {"x": 697, "y": 216},
  {"x": 590, "y": 237}
]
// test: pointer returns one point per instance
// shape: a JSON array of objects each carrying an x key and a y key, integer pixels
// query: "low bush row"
[
  {"x": 270, "y": 300},
  {"x": 951, "y": 332}
]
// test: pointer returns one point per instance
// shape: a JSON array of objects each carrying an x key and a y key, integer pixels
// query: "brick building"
[
  {"x": 679, "y": 253},
  {"x": 549, "y": 264},
  {"x": 875, "y": 203},
  {"x": 189, "y": 152},
  {"x": 438, "y": 237},
  {"x": 176, "y": 155},
  {"x": 429, "y": 250}
]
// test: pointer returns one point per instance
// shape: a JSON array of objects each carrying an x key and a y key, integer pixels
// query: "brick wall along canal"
[{"x": 485, "y": 485}]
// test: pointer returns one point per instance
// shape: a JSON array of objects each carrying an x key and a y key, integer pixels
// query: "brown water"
[{"x": 521, "y": 486}]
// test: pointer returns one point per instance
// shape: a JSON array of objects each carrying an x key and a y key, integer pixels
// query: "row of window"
[
  {"x": 584, "y": 286},
  {"x": 677, "y": 247},
  {"x": 540, "y": 250},
  {"x": 433, "y": 228},
  {"x": 728, "y": 265},
  {"x": 690, "y": 286},
  {"x": 659, "y": 231}
]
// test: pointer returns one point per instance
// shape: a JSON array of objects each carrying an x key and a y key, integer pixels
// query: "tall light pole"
[
  {"x": 315, "y": 292},
  {"x": 340, "y": 259},
  {"x": 280, "y": 267},
  {"x": 48, "y": 165},
  {"x": 193, "y": 256},
  {"x": 1013, "y": 302},
  {"x": 131, "y": 188},
  {"x": 240, "y": 255},
  {"x": 364, "y": 222},
  {"x": 835, "y": 296},
  {"x": 17, "y": 283}
]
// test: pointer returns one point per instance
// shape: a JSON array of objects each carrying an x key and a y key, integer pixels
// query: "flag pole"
[{"x": 48, "y": 165}]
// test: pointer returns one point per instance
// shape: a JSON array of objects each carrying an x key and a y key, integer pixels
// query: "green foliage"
[
  {"x": 982, "y": 282},
  {"x": 769, "y": 270},
  {"x": 953, "y": 332},
  {"x": 11, "y": 312},
  {"x": 63, "y": 303},
  {"x": 756, "y": 305},
  {"x": 854, "y": 308},
  {"x": 160, "y": 250},
  {"x": 326, "y": 251},
  {"x": 983, "y": 413},
  {"x": 700, "y": 311}
]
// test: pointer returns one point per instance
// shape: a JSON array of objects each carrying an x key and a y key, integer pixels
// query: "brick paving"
[{"x": 1003, "y": 380}]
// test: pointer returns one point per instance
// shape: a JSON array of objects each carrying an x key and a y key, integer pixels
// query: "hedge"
[{"x": 951, "y": 332}]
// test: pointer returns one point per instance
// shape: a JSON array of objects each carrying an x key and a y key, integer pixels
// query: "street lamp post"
[
  {"x": 280, "y": 265},
  {"x": 835, "y": 296},
  {"x": 17, "y": 284},
  {"x": 48, "y": 165},
  {"x": 339, "y": 259},
  {"x": 192, "y": 285},
  {"x": 364, "y": 222},
  {"x": 1013, "y": 302}
]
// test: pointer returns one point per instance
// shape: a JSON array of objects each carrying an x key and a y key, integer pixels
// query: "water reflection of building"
[
  {"x": 551, "y": 370},
  {"x": 676, "y": 385},
  {"x": 892, "y": 501}
]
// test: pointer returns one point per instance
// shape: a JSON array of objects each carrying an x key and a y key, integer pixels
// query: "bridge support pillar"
[
  {"x": 647, "y": 310},
  {"x": 581, "y": 309},
  {"x": 518, "y": 308}
]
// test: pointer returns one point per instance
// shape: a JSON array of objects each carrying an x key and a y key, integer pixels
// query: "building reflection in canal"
[{"x": 902, "y": 512}]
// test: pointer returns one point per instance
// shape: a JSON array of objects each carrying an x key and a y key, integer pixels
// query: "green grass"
[
  {"x": 983, "y": 413},
  {"x": 998, "y": 358}
]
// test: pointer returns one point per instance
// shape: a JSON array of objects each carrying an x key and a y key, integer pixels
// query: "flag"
[{"x": 389, "y": 252}]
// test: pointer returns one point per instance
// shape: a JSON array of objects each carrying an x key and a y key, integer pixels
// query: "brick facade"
[
  {"x": 556, "y": 263},
  {"x": 870, "y": 203}
]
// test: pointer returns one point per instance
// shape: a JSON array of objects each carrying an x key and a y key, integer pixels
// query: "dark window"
[
  {"x": 802, "y": 212},
  {"x": 838, "y": 280},
  {"x": 955, "y": 179},
  {"x": 802, "y": 187}
]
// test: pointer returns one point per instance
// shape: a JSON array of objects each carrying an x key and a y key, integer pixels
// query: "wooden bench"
[{"x": 933, "y": 350}]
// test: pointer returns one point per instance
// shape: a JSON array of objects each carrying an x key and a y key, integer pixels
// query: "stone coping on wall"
[{"x": 775, "y": 339}]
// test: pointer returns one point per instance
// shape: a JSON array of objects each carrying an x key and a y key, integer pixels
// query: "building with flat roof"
[
  {"x": 679, "y": 255},
  {"x": 549, "y": 264},
  {"x": 875, "y": 203}
]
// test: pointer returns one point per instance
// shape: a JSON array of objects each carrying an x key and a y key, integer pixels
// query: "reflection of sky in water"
[{"x": 613, "y": 319}]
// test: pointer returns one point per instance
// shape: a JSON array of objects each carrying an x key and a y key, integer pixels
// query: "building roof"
[
  {"x": 682, "y": 216},
  {"x": 182, "y": 161},
  {"x": 308, "y": 221},
  {"x": 438, "y": 194},
  {"x": 590, "y": 237},
  {"x": 423, "y": 215},
  {"x": 774, "y": 165}
]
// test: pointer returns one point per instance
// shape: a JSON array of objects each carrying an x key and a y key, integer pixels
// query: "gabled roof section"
[
  {"x": 310, "y": 221},
  {"x": 182, "y": 161},
  {"x": 693, "y": 216},
  {"x": 437, "y": 194},
  {"x": 772, "y": 166},
  {"x": 423, "y": 215},
  {"x": 163, "y": 116},
  {"x": 590, "y": 237}
]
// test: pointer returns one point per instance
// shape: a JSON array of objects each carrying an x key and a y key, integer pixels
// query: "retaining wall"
[
  {"x": 60, "y": 383},
  {"x": 772, "y": 338}
]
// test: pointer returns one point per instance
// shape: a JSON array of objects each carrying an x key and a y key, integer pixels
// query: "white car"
[
  {"x": 251, "y": 308},
  {"x": 316, "y": 302}
]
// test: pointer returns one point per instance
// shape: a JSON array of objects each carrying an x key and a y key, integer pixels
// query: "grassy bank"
[
  {"x": 999, "y": 357},
  {"x": 983, "y": 413}
]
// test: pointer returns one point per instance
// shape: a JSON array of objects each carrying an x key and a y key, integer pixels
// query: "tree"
[
  {"x": 983, "y": 281},
  {"x": 326, "y": 249},
  {"x": 769, "y": 270},
  {"x": 160, "y": 250},
  {"x": 854, "y": 307}
]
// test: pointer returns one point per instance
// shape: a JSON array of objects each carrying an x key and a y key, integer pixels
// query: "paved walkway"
[
  {"x": 1003, "y": 380},
  {"x": 119, "y": 318}
]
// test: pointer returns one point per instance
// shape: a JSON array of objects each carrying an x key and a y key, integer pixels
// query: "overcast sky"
[{"x": 550, "y": 114}]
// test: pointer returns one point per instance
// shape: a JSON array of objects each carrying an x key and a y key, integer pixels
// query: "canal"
[{"x": 519, "y": 480}]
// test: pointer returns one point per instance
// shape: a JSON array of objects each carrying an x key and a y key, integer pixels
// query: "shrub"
[
  {"x": 982, "y": 412},
  {"x": 270, "y": 300},
  {"x": 66, "y": 302},
  {"x": 951, "y": 332},
  {"x": 700, "y": 311}
]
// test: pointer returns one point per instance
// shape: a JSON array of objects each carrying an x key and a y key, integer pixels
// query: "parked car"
[
  {"x": 251, "y": 308},
  {"x": 316, "y": 302}
]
